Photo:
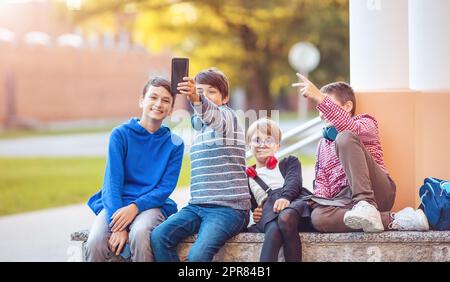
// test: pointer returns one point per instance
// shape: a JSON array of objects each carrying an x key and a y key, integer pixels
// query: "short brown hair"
[
  {"x": 215, "y": 78},
  {"x": 159, "y": 81},
  {"x": 342, "y": 92},
  {"x": 265, "y": 125}
]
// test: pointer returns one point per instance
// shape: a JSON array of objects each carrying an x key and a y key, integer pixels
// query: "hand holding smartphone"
[{"x": 180, "y": 69}]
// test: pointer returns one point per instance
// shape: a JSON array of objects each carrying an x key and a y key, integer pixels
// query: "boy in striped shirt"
[
  {"x": 220, "y": 198},
  {"x": 353, "y": 189}
]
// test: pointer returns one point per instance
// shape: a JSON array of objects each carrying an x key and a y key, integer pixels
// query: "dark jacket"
[{"x": 292, "y": 190}]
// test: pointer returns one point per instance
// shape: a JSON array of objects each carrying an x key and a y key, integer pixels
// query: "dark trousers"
[{"x": 283, "y": 232}]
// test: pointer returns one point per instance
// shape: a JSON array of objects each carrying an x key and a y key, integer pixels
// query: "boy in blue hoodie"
[{"x": 142, "y": 169}]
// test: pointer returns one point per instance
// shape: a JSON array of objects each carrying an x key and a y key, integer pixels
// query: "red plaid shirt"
[{"x": 330, "y": 175}]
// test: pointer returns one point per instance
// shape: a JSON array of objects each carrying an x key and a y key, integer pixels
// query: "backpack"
[{"x": 435, "y": 202}]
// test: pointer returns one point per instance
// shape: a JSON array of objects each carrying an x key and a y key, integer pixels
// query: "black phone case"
[{"x": 180, "y": 69}]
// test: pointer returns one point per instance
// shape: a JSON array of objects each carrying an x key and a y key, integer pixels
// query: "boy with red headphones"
[{"x": 275, "y": 188}]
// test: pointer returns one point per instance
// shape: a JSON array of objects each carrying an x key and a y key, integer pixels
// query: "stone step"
[{"x": 389, "y": 246}]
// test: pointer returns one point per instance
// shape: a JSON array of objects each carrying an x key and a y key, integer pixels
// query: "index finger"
[
  {"x": 302, "y": 77},
  {"x": 183, "y": 84},
  {"x": 299, "y": 84}
]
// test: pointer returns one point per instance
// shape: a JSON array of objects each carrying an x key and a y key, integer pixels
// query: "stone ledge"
[
  {"x": 316, "y": 237},
  {"x": 356, "y": 246}
]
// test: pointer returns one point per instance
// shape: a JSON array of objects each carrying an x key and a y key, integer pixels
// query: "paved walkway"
[
  {"x": 45, "y": 235},
  {"x": 75, "y": 145}
]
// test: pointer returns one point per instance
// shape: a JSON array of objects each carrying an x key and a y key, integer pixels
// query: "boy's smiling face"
[
  {"x": 263, "y": 146},
  {"x": 212, "y": 93},
  {"x": 157, "y": 103}
]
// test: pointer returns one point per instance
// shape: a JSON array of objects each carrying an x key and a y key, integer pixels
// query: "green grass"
[
  {"x": 36, "y": 183},
  {"x": 28, "y": 184}
]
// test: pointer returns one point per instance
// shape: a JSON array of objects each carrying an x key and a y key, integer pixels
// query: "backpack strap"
[{"x": 261, "y": 183}]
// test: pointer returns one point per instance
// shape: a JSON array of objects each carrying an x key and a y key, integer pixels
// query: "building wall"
[
  {"x": 60, "y": 83},
  {"x": 414, "y": 135},
  {"x": 44, "y": 16},
  {"x": 55, "y": 83}
]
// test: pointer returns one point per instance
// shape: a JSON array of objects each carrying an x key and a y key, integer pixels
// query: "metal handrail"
[
  {"x": 293, "y": 132},
  {"x": 300, "y": 144},
  {"x": 299, "y": 129}
]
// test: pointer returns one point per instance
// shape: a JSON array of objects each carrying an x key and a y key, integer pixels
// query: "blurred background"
[{"x": 72, "y": 70}]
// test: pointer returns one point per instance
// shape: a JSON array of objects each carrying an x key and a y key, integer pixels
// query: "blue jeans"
[{"x": 214, "y": 225}]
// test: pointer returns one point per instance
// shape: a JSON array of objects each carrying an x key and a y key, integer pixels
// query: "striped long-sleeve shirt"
[
  {"x": 218, "y": 158},
  {"x": 330, "y": 175}
]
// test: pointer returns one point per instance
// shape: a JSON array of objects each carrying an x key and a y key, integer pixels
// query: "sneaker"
[
  {"x": 409, "y": 219},
  {"x": 364, "y": 216}
]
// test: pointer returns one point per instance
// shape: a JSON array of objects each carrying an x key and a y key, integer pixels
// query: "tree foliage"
[{"x": 248, "y": 39}]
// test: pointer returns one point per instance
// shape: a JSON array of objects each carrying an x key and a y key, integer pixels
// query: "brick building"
[{"x": 49, "y": 73}]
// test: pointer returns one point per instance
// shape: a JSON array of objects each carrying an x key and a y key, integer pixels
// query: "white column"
[
  {"x": 379, "y": 44},
  {"x": 429, "y": 44}
]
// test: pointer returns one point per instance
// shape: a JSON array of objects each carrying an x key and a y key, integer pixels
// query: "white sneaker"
[
  {"x": 409, "y": 219},
  {"x": 364, "y": 216}
]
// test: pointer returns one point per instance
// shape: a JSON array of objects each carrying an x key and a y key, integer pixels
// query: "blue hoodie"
[{"x": 141, "y": 168}]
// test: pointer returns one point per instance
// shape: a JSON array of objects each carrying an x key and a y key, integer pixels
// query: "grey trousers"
[
  {"x": 139, "y": 237},
  {"x": 367, "y": 181}
]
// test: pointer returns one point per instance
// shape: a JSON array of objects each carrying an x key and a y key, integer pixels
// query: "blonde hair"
[{"x": 264, "y": 125}]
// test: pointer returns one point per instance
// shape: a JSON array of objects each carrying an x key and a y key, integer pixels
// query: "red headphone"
[{"x": 271, "y": 163}]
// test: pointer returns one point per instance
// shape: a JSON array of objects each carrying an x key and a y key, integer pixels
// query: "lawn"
[
  {"x": 36, "y": 183},
  {"x": 28, "y": 184}
]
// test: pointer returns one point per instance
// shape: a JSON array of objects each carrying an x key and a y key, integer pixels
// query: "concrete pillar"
[
  {"x": 429, "y": 44},
  {"x": 400, "y": 69},
  {"x": 379, "y": 73},
  {"x": 379, "y": 44}
]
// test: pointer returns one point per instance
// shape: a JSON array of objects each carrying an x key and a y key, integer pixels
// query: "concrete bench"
[{"x": 389, "y": 246}]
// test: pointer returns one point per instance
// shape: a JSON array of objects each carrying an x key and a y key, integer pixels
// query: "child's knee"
[
  {"x": 156, "y": 235},
  {"x": 344, "y": 138},
  {"x": 97, "y": 247},
  {"x": 97, "y": 239},
  {"x": 287, "y": 220},
  {"x": 159, "y": 237},
  {"x": 139, "y": 235}
]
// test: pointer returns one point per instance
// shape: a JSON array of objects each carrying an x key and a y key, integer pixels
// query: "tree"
[{"x": 248, "y": 39}]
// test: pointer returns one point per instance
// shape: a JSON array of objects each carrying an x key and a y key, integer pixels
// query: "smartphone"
[{"x": 180, "y": 69}]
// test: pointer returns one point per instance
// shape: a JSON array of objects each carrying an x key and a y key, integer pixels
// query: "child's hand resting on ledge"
[
  {"x": 117, "y": 241},
  {"x": 280, "y": 205},
  {"x": 257, "y": 213},
  {"x": 123, "y": 217}
]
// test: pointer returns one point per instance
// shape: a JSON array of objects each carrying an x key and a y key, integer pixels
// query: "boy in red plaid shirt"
[{"x": 352, "y": 189}]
